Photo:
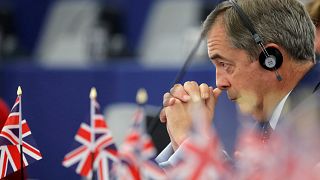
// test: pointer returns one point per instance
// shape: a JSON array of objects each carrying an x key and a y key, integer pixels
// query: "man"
[
  {"x": 313, "y": 8},
  {"x": 267, "y": 94}
]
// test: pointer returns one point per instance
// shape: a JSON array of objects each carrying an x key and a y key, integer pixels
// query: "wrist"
[{"x": 176, "y": 143}]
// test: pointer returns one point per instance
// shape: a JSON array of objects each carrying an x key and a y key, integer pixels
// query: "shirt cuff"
[{"x": 168, "y": 158}]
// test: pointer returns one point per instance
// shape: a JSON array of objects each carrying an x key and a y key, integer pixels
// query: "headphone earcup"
[{"x": 273, "y": 62}]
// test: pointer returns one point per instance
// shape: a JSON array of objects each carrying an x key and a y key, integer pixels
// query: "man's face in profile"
[{"x": 243, "y": 79}]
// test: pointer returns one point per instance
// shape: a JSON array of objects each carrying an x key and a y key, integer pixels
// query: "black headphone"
[{"x": 270, "y": 58}]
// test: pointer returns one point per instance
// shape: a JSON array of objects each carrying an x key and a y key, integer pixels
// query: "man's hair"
[
  {"x": 283, "y": 22},
  {"x": 313, "y": 8}
]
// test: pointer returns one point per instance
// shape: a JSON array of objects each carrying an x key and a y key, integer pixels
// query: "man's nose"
[{"x": 222, "y": 81}]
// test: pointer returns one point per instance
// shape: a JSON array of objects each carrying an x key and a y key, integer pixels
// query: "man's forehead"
[
  {"x": 217, "y": 34},
  {"x": 217, "y": 27}
]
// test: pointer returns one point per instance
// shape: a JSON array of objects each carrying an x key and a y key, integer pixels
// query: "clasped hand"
[{"x": 180, "y": 103}]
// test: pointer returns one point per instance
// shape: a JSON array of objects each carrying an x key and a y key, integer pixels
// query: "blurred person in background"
[
  {"x": 8, "y": 36},
  {"x": 313, "y": 8},
  {"x": 110, "y": 21}
]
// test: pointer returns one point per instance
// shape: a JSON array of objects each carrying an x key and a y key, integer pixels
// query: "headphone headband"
[
  {"x": 246, "y": 22},
  {"x": 268, "y": 62}
]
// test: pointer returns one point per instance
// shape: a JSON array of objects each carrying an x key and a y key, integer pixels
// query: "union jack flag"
[
  {"x": 9, "y": 134},
  {"x": 9, "y": 142},
  {"x": 137, "y": 154},
  {"x": 88, "y": 156},
  {"x": 279, "y": 159},
  {"x": 201, "y": 154}
]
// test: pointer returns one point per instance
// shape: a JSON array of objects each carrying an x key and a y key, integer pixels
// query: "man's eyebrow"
[{"x": 216, "y": 56}]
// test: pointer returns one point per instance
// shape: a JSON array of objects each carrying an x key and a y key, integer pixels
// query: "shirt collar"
[{"x": 277, "y": 112}]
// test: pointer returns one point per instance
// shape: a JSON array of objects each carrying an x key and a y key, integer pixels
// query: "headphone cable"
[{"x": 155, "y": 122}]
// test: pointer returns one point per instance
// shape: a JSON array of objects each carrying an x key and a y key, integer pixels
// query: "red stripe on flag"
[
  {"x": 5, "y": 164},
  {"x": 132, "y": 137},
  {"x": 87, "y": 166},
  {"x": 100, "y": 123},
  {"x": 8, "y": 136},
  {"x": 75, "y": 153},
  {"x": 148, "y": 144},
  {"x": 113, "y": 152},
  {"x": 84, "y": 133},
  {"x": 25, "y": 128},
  {"x": 32, "y": 149},
  {"x": 12, "y": 120},
  {"x": 104, "y": 143},
  {"x": 134, "y": 172},
  {"x": 15, "y": 155}
]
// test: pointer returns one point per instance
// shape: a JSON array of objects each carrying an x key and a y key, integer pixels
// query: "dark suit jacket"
[
  {"x": 308, "y": 86},
  {"x": 300, "y": 116}
]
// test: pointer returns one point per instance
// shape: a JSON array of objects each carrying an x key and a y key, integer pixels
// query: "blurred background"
[
  {"x": 58, "y": 49},
  {"x": 78, "y": 32}
]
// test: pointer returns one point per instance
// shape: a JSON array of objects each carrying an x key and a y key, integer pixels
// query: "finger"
[
  {"x": 213, "y": 98},
  {"x": 168, "y": 100},
  {"x": 180, "y": 93},
  {"x": 162, "y": 116},
  {"x": 193, "y": 90},
  {"x": 216, "y": 92},
  {"x": 204, "y": 91}
]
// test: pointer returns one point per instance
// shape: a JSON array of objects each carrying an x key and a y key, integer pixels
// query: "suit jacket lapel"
[{"x": 309, "y": 84}]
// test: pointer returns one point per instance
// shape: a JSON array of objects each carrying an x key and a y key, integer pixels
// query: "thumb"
[
  {"x": 213, "y": 98},
  {"x": 216, "y": 92}
]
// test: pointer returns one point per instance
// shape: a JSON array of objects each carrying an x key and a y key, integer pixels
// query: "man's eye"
[{"x": 225, "y": 65}]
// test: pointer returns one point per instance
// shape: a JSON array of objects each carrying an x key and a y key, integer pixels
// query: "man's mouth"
[{"x": 233, "y": 99}]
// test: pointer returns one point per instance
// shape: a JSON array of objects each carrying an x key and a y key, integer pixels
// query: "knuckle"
[
  {"x": 175, "y": 88},
  {"x": 166, "y": 95},
  {"x": 194, "y": 83},
  {"x": 171, "y": 90},
  {"x": 203, "y": 85},
  {"x": 187, "y": 84}
]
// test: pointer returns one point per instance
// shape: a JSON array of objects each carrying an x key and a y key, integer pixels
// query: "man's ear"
[{"x": 271, "y": 59}]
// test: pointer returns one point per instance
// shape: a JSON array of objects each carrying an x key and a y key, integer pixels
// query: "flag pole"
[
  {"x": 93, "y": 96},
  {"x": 141, "y": 99},
  {"x": 19, "y": 93}
]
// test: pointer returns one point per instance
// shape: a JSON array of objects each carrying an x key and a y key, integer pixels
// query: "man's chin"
[
  {"x": 245, "y": 107},
  {"x": 233, "y": 100},
  {"x": 249, "y": 110}
]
